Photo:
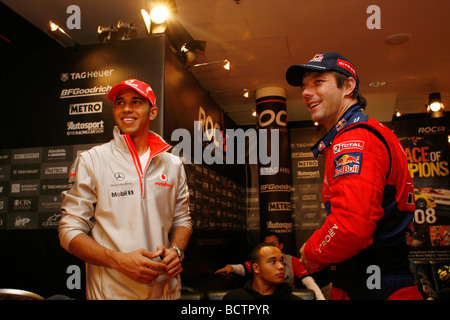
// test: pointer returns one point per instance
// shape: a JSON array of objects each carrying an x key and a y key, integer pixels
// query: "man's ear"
[
  {"x": 153, "y": 113},
  {"x": 255, "y": 268},
  {"x": 349, "y": 85}
]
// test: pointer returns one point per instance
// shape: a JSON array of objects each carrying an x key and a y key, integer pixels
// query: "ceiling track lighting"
[
  {"x": 122, "y": 31},
  {"x": 107, "y": 33},
  {"x": 435, "y": 107},
  {"x": 58, "y": 33},
  {"x": 126, "y": 30}
]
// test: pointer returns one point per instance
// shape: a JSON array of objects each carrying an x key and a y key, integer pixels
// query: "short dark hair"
[
  {"x": 255, "y": 255},
  {"x": 274, "y": 234},
  {"x": 340, "y": 79}
]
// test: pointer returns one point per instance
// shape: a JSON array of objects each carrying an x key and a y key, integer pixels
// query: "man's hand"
[
  {"x": 138, "y": 265},
  {"x": 171, "y": 260},
  {"x": 310, "y": 266},
  {"x": 225, "y": 270}
]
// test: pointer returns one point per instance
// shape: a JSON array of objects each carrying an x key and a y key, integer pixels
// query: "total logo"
[
  {"x": 356, "y": 144},
  {"x": 163, "y": 178}
]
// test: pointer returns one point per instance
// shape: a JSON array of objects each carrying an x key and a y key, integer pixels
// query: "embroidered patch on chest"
[{"x": 347, "y": 163}]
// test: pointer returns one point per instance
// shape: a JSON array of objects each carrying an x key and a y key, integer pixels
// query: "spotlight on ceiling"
[
  {"x": 435, "y": 106},
  {"x": 189, "y": 50},
  {"x": 156, "y": 21},
  {"x": 126, "y": 30},
  {"x": 159, "y": 14},
  {"x": 57, "y": 33},
  {"x": 107, "y": 33}
]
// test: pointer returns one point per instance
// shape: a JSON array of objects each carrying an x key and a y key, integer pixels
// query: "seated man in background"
[
  {"x": 267, "y": 262},
  {"x": 294, "y": 269}
]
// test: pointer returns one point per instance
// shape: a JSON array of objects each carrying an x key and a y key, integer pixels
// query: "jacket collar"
[
  {"x": 353, "y": 115},
  {"x": 156, "y": 143}
]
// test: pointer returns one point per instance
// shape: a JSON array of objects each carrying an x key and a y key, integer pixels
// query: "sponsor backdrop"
[
  {"x": 307, "y": 178},
  {"x": 274, "y": 179},
  {"x": 54, "y": 106},
  {"x": 58, "y": 100},
  {"x": 426, "y": 144},
  {"x": 60, "y": 110}
]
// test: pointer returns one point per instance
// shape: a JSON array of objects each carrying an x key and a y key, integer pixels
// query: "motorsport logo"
[
  {"x": 81, "y": 128},
  {"x": 347, "y": 163},
  {"x": 80, "y": 92}
]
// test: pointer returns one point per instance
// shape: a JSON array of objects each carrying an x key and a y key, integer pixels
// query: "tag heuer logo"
[{"x": 64, "y": 77}]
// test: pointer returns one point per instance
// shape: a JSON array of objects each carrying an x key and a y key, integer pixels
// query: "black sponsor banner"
[
  {"x": 65, "y": 94},
  {"x": 274, "y": 165},
  {"x": 62, "y": 110},
  {"x": 307, "y": 178}
]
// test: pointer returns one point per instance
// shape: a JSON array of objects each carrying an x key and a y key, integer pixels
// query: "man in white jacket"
[{"x": 126, "y": 213}]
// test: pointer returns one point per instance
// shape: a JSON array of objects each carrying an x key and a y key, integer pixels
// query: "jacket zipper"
[{"x": 137, "y": 162}]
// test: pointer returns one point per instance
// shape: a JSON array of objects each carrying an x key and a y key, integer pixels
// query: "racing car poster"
[{"x": 426, "y": 145}]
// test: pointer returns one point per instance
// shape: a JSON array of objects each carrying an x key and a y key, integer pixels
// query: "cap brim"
[{"x": 295, "y": 73}]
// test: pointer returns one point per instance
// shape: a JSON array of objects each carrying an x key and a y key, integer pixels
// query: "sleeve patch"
[
  {"x": 355, "y": 144},
  {"x": 348, "y": 163}
]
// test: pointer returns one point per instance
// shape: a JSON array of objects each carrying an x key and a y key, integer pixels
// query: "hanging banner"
[{"x": 274, "y": 175}]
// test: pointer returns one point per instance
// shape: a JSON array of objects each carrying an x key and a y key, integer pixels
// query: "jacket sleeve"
[
  {"x": 182, "y": 216},
  {"x": 353, "y": 194},
  {"x": 299, "y": 268},
  {"x": 77, "y": 206}
]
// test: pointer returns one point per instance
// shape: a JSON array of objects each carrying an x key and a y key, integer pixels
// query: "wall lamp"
[
  {"x": 57, "y": 33},
  {"x": 435, "y": 107},
  {"x": 244, "y": 93},
  {"x": 226, "y": 64}
]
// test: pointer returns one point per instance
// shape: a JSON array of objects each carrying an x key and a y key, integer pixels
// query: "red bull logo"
[
  {"x": 348, "y": 163},
  {"x": 347, "y": 159}
]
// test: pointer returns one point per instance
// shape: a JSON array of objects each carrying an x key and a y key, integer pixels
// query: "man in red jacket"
[{"x": 367, "y": 189}]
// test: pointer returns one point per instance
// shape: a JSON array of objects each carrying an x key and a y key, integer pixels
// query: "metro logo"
[{"x": 279, "y": 206}]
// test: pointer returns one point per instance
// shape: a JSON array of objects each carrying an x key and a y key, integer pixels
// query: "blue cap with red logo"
[{"x": 330, "y": 61}]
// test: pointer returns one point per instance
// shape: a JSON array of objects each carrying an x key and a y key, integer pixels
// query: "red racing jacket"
[{"x": 368, "y": 196}]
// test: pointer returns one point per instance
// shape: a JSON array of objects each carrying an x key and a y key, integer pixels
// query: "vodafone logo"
[{"x": 163, "y": 178}]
